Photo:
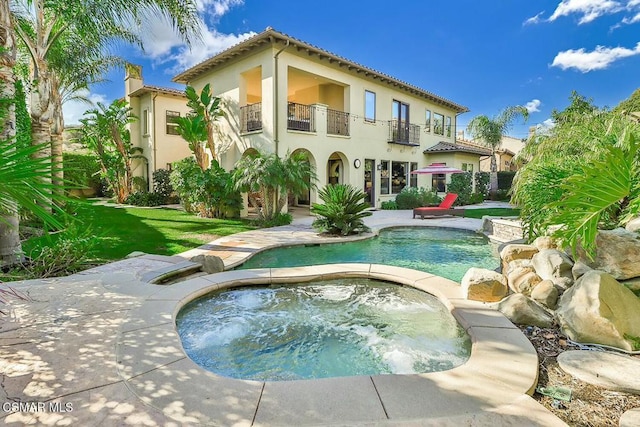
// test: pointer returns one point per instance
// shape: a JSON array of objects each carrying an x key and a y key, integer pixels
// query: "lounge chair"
[{"x": 443, "y": 209}]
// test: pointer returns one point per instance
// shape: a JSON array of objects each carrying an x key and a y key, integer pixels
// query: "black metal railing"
[
  {"x": 301, "y": 117},
  {"x": 251, "y": 117},
  {"x": 402, "y": 132},
  {"x": 337, "y": 122}
]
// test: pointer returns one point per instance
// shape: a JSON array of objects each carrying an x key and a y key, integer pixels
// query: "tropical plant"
[
  {"x": 105, "y": 132},
  {"x": 82, "y": 170},
  {"x": 193, "y": 129},
  {"x": 162, "y": 184},
  {"x": 461, "y": 184},
  {"x": 210, "y": 193},
  {"x": 208, "y": 108},
  {"x": 342, "y": 211},
  {"x": 274, "y": 178},
  {"x": 490, "y": 131}
]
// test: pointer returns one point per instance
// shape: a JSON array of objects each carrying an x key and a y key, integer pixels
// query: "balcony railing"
[
  {"x": 301, "y": 117},
  {"x": 337, "y": 122},
  {"x": 401, "y": 132},
  {"x": 251, "y": 118}
]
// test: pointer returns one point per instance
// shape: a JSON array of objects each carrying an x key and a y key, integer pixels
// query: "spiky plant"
[{"x": 342, "y": 212}]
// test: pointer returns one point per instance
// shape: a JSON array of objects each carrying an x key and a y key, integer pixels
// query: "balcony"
[
  {"x": 251, "y": 118},
  {"x": 337, "y": 123},
  {"x": 301, "y": 117},
  {"x": 401, "y": 132}
]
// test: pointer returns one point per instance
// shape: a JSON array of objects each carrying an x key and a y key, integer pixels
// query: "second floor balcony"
[
  {"x": 337, "y": 122},
  {"x": 402, "y": 132},
  {"x": 301, "y": 117},
  {"x": 251, "y": 118}
]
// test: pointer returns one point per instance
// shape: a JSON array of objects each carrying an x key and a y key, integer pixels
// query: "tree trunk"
[
  {"x": 493, "y": 178},
  {"x": 10, "y": 247},
  {"x": 57, "y": 128},
  {"x": 211, "y": 145},
  {"x": 41, "y": 118}
]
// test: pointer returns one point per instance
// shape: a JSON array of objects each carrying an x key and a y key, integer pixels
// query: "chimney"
[{"x": 132, "y": 79}]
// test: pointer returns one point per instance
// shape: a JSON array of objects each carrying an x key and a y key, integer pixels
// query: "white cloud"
[
  {"x": 588, "y": 10},
  {"x": 598, "y": 59},
  {"x": 533, "y": 106},
  {"x": 74, "y": 110},
  {"x": 534, "y": 19}
]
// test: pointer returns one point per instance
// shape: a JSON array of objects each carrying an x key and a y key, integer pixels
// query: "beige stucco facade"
[
  {"x": 282, "y": 95},
  {"x": 149, "y": 132}
]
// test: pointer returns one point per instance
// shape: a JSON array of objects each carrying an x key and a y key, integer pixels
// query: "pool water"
[
  {"x": 321, "y": 329},
  {"x": 444, "y": 252}
]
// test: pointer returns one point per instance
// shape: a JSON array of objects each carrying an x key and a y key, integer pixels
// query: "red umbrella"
[{"x": 438, "y": 168}]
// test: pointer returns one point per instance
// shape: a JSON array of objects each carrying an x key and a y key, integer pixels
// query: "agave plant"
[{"x": 342, "y": 212}]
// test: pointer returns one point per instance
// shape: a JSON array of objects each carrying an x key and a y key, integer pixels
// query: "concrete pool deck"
[{"x": 103, "y": 343}]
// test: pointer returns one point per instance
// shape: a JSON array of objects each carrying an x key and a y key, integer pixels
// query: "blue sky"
[{"x": 486, "y": 55}]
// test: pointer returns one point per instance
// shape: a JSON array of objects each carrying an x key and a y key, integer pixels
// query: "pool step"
[{"x": 171, "y": 273}]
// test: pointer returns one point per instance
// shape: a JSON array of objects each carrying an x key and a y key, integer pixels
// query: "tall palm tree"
[
  {"x": 490, "y": 131},
  {"x": 208, "y": 107}
]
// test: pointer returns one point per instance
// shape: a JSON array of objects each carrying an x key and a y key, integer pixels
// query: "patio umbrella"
[{"x": 437, "y": 168}]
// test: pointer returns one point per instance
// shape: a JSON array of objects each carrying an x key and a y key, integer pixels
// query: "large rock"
[
  {"x": 516, "y": 251},
  {"x": 516, "y": 264},
  {"x": 210, "y": 263},
  {"x": 546, "y": 294},
  {"x": 545, "y": 242},
  {"x": 633, "y": 225},
  {"x": 598, "y": 309},
  {"x": 524, "y": 311},
  {"x": 617, "y": 253},
  {"x": 480, "y": 284},
  {"x": 554, "y": 265},
  {"x": 579, "y": 269},
  {"x": 523, "y": 280}
]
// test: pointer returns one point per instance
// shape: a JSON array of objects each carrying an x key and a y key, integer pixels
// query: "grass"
[
  {"x": 161, "y": 231},
  {"x": 479, "y": 213}
]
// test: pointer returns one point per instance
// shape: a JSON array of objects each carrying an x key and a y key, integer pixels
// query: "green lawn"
[
  {"x": 153, "y": 230},
  {"x": 479, "y": 213}
]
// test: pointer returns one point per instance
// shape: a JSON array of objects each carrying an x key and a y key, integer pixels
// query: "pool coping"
[{"x": 496, "y": 381}]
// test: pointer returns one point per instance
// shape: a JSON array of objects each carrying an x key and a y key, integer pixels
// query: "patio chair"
[{"x": 445, "y": 208}]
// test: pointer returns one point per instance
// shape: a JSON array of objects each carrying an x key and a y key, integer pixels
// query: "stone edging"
[{"x": 501, "y": 369}]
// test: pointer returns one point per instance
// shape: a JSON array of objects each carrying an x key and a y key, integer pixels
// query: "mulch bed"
[{"x": 590, "y": 406}]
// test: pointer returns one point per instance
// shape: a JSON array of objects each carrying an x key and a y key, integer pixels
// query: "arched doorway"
[
  {"x": 336, "y": 168},
  {"x": 304, "y": 199}
]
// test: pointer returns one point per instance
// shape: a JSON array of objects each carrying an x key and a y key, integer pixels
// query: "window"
[
  {"x": 448, "y": 127},
  {"x": 369, "y": 106},
  {"x": 145, "y": 122},
  {"x": 467, "y": 167},
  {"x": 384, "y": 177},
  {"x": 427, "y": 121},
  {"x": 172, "y": 126},
  {"x": 438, "y": 124},
  {"x": 438, "y": 182},
  {"x": 398, "y": 176},
  {"x": 413, "y": 177}
]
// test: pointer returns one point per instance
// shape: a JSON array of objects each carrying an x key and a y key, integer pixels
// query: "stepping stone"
[
  {"x": 631, "y": 418},
  {"x": 609, "y": 370}
]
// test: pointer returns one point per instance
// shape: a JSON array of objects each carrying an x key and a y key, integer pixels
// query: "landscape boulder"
[
  {"x": 598, "y": 309},
  {"x": 545, "y": 242},
  {"x": 579, "y": 269},
  {"x": 546, "y": 294},
  {"x": 554, "y": 265},
  {"x": 524, "y": 311},
  {"x": 633, "y": 225},
  {"x": 523, "y": 280},
  {"x": 617, "y": 253},
  {"x": 516, "y": 264},
  {"x": 210, "y": 263},
  {"x": 484, "y": 285},
  {"x": 516, "y": 251}
]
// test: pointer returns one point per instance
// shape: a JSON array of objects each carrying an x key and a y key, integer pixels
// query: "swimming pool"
[
  {"x": 446, "y": 252},
  {"x": 321, "y": 329}
]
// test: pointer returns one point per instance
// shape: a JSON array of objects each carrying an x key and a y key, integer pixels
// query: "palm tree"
[
  {"x": 193, "y": 129},
  {"x": 274, "y": 178},
  {"x": 490, "y": 131},
  {"x": 208, "y": 107}
]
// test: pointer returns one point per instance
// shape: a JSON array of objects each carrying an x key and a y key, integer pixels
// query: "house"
[
  {"x": 505, "y": 154},
  {"x": 461, "y": 156},
  {"x": 356, "y": 125},
  {"x": 155, "y": 130}
]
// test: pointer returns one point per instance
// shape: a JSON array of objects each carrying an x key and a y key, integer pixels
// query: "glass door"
[{"x": 369, "y": 181}]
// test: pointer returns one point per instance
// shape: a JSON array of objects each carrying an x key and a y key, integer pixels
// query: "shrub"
[
  {"x": 162, "y": 184},
  {"x": 82, "y": 170},
  {"x": 476, "y": 198},
  {"x": 139, "y": 184},
  {"x": 461, "y": 185},
  {"x": 210, "y": 193},
  {"x": 411, "y": 197},
  {"x": 389, "y": 205},
  {"x": 342, "y": 212},
  {"x": 502, "y": 195},
  {"x": 482, "y": 183},
  {"x": 505, "y": 179},
  {"x": 278, "y": 220},
  {"x": 144, "y": 198}
]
